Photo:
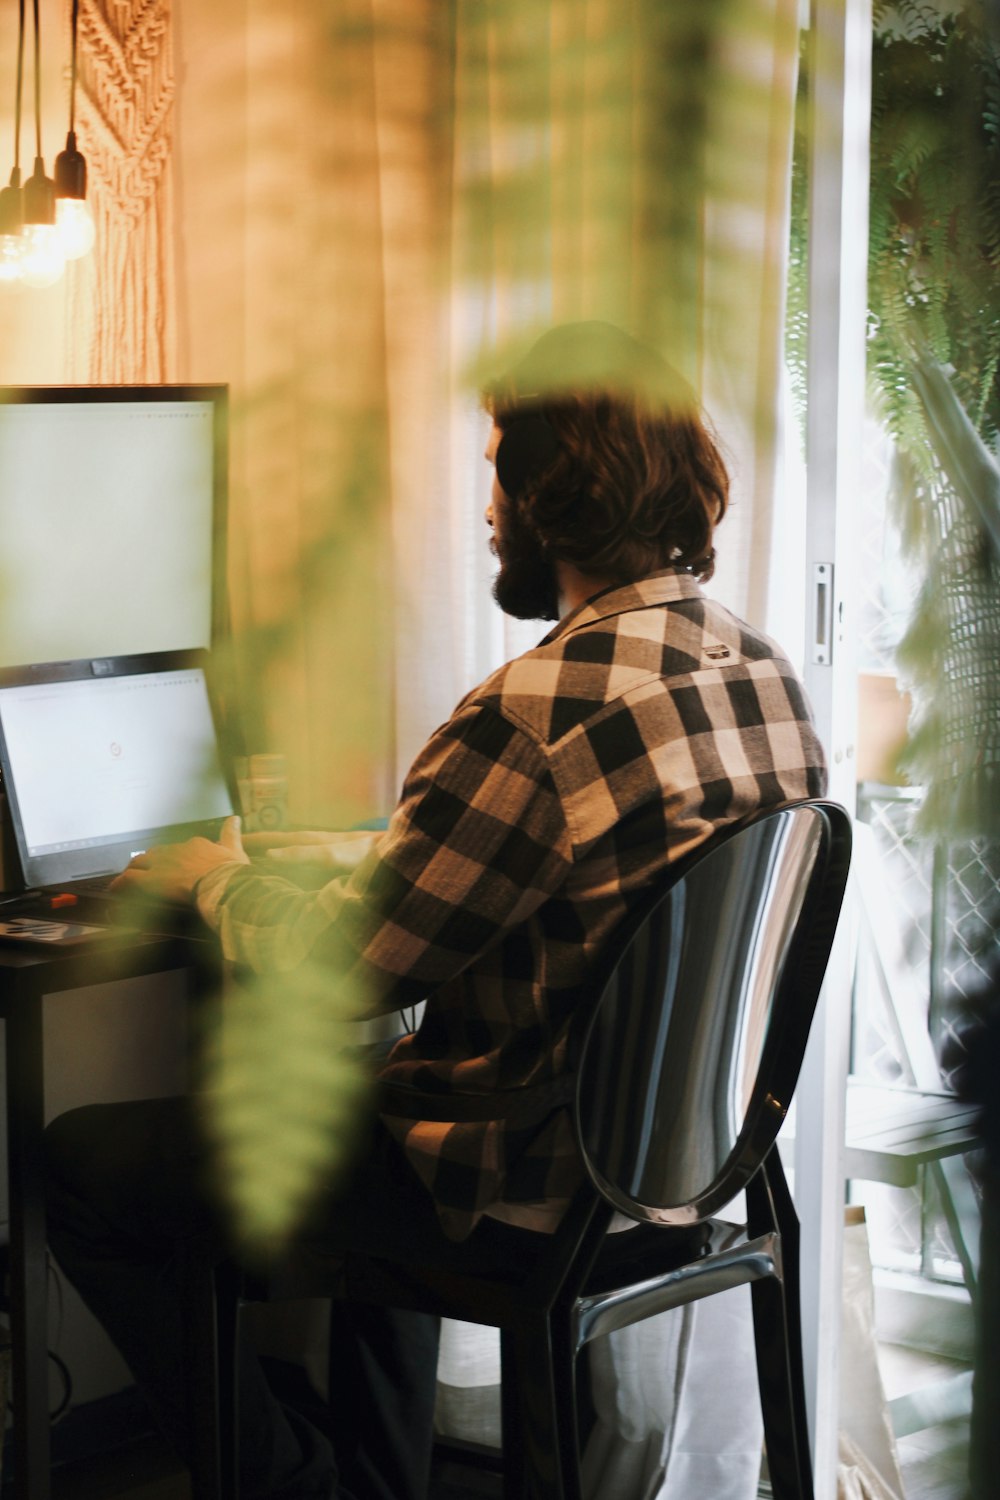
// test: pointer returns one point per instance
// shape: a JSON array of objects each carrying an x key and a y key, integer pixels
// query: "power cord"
[{"x": 66, "y": 1396}]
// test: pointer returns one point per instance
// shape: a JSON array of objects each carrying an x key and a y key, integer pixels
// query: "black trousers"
[{"x": 126, "y": 1205}]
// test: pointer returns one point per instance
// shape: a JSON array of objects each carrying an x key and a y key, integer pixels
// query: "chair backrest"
[{"x": 695, "y": 1043}]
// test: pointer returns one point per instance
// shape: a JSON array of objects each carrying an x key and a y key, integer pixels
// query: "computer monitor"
[
  {"x": 102, "y": 758},
  {"x": 112, "y": 520}
]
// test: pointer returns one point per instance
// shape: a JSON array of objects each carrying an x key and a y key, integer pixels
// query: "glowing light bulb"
[
  {"x": 11, "y": 220},
  {"x": 72, "y": 216},
  {"x": 43, "y": 262},
  {"x": 74, "y": 227},
  {"x": 11, "y": 257}
]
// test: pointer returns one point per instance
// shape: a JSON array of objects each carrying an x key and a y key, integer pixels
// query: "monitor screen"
[
  {"x": 112, "y": 520},
  {"x": 102, "y": 758}
]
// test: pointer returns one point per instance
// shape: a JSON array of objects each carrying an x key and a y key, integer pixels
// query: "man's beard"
[{"x": 526, "y": 585}]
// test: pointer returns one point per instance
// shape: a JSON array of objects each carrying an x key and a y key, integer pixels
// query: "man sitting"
[{"x": 528, "y": 826}]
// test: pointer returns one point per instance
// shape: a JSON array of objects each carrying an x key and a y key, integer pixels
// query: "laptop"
[{"x": 102, "y": 759}]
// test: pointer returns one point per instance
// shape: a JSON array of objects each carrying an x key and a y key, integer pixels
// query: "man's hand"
[
  {"x": 340, "y": 851},
  {"x": 171, "y": 871}
]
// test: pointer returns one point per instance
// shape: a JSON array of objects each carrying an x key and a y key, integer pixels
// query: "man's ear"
[{"x": 528, "y": 447}]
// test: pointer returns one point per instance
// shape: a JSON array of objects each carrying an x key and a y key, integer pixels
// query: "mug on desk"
[{"x": 263, "y": 789}]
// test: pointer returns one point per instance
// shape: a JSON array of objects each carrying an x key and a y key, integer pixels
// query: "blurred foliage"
[
  {"x": 951, "y": 649},
  {"x": 284, "y": 1097},
  {"x": 797, "y": 297},
  {"x": 934, "y": 354},
  {"x": 605, "y": 155},
  {"x": 934, "y": 244},
  {"x": 455, "y": 177},
  {"x": 933, "y": 359}
]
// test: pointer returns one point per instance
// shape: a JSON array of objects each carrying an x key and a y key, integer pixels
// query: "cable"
[
  {"x": 56, "y": 1285},
  {"x": 38, "y": 83},
  {"x": 20, "y": 89},
  {"x": 63, "y": 1404},
  {"x": 72, "y": 68}
]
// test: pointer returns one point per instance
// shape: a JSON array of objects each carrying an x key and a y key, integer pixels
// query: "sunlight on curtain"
[
  {"x": 624, "y": 164},
  {"x": 573, "y": 197},
  {"x": 426, "y": 187},
  {"x": 311, "y": 526},
  {"x": 747, "y": 214},
  {"x": 383, "y": 201}
]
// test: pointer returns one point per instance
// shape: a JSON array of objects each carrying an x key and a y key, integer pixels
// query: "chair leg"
[
  {"x": 566, "y": 1411},
  {"x": 197, "y": 1290},
  {"x": 227, "y": 1324},
  {"x": 778, "y": 1341},
  {"x": 540, "y": 1457}
]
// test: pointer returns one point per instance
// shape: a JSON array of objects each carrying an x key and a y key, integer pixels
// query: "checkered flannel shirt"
[{"x": 528, "y": 825}]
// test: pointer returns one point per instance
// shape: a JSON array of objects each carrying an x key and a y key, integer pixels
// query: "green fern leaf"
[{"x": 284, "y": 1097}]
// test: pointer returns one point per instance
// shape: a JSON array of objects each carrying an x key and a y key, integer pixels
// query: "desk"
[{"x": 26, "y": 975}]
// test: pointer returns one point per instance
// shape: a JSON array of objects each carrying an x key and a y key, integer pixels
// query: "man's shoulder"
[{"x": 610, "y": 649}]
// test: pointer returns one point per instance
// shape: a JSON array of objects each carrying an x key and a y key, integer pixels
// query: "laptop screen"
[{"x": 98, "y": 767}]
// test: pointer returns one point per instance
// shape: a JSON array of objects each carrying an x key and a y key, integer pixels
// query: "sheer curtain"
[
  {"x": 370, "y": 205},
  {"x": 575, "y": 191},
  {"x": 379, "y": 203},
  {"x": 563, "y": 178}
]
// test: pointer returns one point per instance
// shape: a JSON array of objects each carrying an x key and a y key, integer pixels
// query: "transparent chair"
[{"x": 686, "y": 1053}]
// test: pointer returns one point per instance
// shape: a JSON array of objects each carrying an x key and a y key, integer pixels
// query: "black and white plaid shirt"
[{"x": 557, "y": 791}]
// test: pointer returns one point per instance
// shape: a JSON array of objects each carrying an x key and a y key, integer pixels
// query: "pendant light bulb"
[
  {"x": 11, "y": 258},
  {"x": 74, "y": 221},
  {"x": 11, "y": 237},
  {"x": 44, "y": 260},
  {"x": 75, "y": 227}
]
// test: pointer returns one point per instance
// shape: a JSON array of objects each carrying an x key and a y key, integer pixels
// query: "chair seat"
[{"x": 648, "y": 1249}]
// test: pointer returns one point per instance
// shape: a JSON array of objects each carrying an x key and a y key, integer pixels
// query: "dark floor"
[
  {"x": 107, "y": 1451},
  {"x": 144, "y": 1470},
  {"x": 94, "y": 1460},
  {"x": 933, "y": 1467}
]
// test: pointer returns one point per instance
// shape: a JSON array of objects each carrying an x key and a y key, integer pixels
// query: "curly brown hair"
[{"x": 638, "y": 482}]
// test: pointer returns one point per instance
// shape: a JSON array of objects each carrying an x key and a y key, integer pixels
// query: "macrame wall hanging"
[{"x": 125, "y": 99}]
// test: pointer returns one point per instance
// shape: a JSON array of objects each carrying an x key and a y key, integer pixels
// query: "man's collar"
[{"x": 664, "y": 587}]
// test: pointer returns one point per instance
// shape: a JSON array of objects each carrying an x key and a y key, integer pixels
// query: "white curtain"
[
  {"x": 378, "y": 203},
  {"x": 675, "y": 1400},
  {"x": 374, "y": 202},
  {"x": 730, "y": 341},
  {"x": 677, "y": 1410}
]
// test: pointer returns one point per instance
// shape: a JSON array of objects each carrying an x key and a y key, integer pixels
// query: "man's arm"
[{"x": 477, "y": 843}]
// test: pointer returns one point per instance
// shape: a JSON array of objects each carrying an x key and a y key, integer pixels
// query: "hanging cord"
[
  {"x": 15, "y": 176},
  {"x": 38, "y": 85},
  {"x": 72, "y": 68}
]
